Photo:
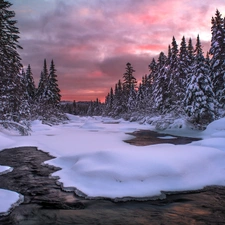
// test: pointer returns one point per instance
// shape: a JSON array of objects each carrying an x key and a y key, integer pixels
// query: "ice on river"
[
  {"x": 95, "y": 160},
  {"x": 8, "y": 198}
]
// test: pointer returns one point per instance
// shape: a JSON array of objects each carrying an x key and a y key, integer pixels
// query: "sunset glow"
[{"x": 91, "y": 41}]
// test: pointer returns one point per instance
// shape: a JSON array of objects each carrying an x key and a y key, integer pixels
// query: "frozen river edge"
[{"x": 45, "y": 201}]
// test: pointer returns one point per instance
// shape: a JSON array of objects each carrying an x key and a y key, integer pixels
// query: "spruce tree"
[
  {"x": 109, "y": 103},
  {"x": 52, "y": 91},
  {"x": 172, "y": 76},
  {"x": 119, "y": 101},
  {"x": 129, "y": 81},
  {"x": 29, "y": 83},
  {"x": 25, "y": 99},
  {"x": 10, "y": 61},
  {"x": 217, "y": 51},
  {"x": 159, "y": 83},
  {"x": 183, "y": 72},
  {"x": 190, "y": 52},
  {"x": 162, "y": 94},
  {"x": 41, "y": 90},
  {"x": 131, "y": 103},
  {"x": 10, "y": 66},
  {"x": 200, "y": 99},
  {"x": 141, "y": 99}
]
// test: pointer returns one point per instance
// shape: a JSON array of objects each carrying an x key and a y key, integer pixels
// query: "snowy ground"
[{"x": 95, "y": 160}]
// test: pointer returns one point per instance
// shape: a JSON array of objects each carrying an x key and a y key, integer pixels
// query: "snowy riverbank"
[{"x": 95, "y": 160}]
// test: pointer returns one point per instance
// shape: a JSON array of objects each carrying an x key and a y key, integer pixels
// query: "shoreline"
[{"x": 44, "y": 200}]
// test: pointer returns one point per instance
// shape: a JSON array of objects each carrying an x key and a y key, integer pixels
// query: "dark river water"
[{"x": 45, "y": 202}]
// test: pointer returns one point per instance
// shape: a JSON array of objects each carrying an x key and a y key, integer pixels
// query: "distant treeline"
[{"x": 183, "y": 83}]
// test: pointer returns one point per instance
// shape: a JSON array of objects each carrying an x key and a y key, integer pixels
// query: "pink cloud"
[{"x": 91, "y": 41}]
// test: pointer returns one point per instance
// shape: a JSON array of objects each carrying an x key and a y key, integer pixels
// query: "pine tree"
[
  {"x": 29, "y": 83},
  {"x": 131, "y": 104},
  {"x": 190, "y": 52},
  {"x": 48, "y": 96},
  {"x": 159, "y": 83},
  {"x": 90, "y": 110},
  {"x": 109, "y": 103},
  {"x": 183, "y": 72},
  {"x": 153, "y": 70},
  {"x": 129, "y": 81},
  {"x": 41, "y": 90},
  {"x": 162, "y": 94},
  {"x": 10, "y": 66},
  {"x": 97, "y": 108},
  {"x": 200, "y": 99},
  {"x": 148, "y": 81},
  {"x": 119, "y": 101},
  {"x": 74, "y": 108},
  {"x": 172, "y": 76},
  {"x": 25, "y": 106},
  {"x": 141, "y": 98},
  {"x": 10, "y": 61},
  {"x": 52, "y": 91},
  {"x": 217, "y": 50}
]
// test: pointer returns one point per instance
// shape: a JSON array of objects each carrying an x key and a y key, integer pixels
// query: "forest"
[{"x": 184, "y": 83}]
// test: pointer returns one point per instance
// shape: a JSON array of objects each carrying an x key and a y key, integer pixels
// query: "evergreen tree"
[
  {"x": 10, "y": 61},
  {"x": 161, "y": 61},
  {"x": 129, "y": 81},
  {"x": 97, "y": 108},
  {"x": 90, "y": 110},
  {"x": 217, "y": 50},
  {"x": 200, "y": 100},
  {"x": 172, "y": 76},
  {"x": 29, "y": 83},
  {"x": 119, "y": 101},
  {"x": 47, "y": 97},
  {"x": 52, "y": 91},
  {"x": 41, "y": 90},
  {"x": 131, "y": 104},
  {"x": 148, "y": 81},
  {"x": 11, "y": 91},
  {"x": 111, "y": 98},
  {"x": 159, "y": 84},
  {"x": 24, "y": 111},
  {"x": 190, "y": 52},
  {"x": 141, "y": 99},
  {"x": 183, "y": 71},
  {"x": 109, "y": 102},
  {"x": 153, "y": 70},
  {"x": 74, "y": 108}
]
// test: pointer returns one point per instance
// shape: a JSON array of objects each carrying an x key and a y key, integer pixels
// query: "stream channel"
[{"x": 45, "y": 203}]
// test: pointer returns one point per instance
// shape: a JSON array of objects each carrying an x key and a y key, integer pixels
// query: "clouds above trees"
[{"x": 91, "y": 41}]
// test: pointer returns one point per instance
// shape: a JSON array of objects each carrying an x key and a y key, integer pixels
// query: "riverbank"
[{"x": 45, "y": 202}]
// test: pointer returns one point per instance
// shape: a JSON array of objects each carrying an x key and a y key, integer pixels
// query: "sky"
[{"x": 91, "y": 41}]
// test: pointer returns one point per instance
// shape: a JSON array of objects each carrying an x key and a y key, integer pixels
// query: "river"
[{"x": 45, "y": 203}]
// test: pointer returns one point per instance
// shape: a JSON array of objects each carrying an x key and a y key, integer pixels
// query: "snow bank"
[
  {"x": 9, "y": 200},
  {"x": 5, "y": 141},
  {"x": 216, "y": 128},
  {"x": 5, "y": 169},
  {"x": 95, "y": 160},
  {"x": 142, "y": 172}
]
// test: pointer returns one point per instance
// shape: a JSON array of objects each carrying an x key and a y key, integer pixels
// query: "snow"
[
  {"x": 167, "y": 137},
  {"x": 9, "y": 200},
  {"x": 96, "y": 162},
  {"x": 5, "y": 169}
]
